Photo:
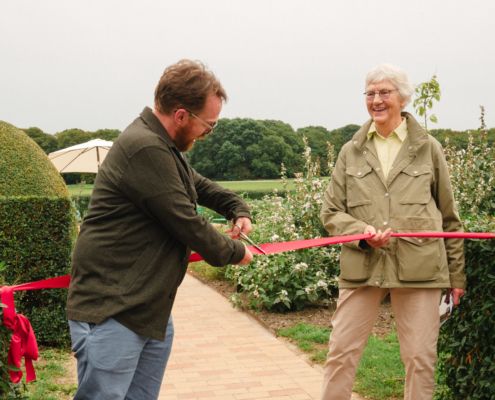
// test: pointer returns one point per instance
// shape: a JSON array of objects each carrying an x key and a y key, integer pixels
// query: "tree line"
[{"x": 243, "y": 148}]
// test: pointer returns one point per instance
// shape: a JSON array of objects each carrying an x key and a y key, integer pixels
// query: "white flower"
[
  {"x": 301, "y": 267},
  {"x": 317, "y": 184},
  {"x": 275, "y": 237},
  {"x": 321, "y": 284},
  {"x": 309, "y": 289}
]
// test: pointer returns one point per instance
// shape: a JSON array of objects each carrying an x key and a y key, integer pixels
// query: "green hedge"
[
  {"x": 36, "y": 237},
  {"x": 37, "y": 229},
  {"x": 467, "y": 340}
]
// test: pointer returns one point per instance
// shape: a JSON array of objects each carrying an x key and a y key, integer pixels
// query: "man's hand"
[
  {"x": 379, "y": 239},
  {"x": 456, "y": 295},
  {"x": 241, "y": 224},
  {"x": 248, "y": 257}
]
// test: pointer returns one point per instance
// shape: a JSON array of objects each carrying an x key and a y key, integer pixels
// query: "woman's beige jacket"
[{"x": 416, "y": 196}]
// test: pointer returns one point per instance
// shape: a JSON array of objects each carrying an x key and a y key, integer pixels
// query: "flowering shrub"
[
  {"x": 473, "y": 173},
  {"x": 466, "y": 341},
  {"x": 291, "y": 280}
]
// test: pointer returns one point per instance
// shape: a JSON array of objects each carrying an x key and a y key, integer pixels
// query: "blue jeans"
[{"x": 114, "y": 363}]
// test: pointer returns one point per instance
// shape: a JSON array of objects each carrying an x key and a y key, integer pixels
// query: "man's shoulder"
[{"x": 138, "y": 136}]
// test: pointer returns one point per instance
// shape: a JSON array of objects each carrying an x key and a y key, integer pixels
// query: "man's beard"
[{"x": 184, "y": 140}]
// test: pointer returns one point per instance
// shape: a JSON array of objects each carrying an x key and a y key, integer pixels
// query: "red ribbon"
[
  {"x": 23, "y": 341},
  {"x": 273, "y": 248}
]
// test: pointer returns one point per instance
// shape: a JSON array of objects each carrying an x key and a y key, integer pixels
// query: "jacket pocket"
[
  {"x": 358, "y": 194},
  {"x": 416, "y": 185},
  {"x": 418, "y": 259},
  {"x": 358, "y": 185},
  {"x": 354, "y": 264}
]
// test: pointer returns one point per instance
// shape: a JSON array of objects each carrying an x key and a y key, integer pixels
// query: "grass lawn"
[
  {"x": 236, "y": 186},
  {"x": 53, "y": 381},
  {"x": 80, "y": 189}
]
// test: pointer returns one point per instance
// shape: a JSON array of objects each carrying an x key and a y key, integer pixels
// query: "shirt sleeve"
[{"x": 153, "y": 183}]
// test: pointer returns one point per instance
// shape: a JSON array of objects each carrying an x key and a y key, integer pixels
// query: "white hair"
[{"x": 397, "y": 76}]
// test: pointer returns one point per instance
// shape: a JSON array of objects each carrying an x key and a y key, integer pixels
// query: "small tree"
[{"x": 426, "y": 93}]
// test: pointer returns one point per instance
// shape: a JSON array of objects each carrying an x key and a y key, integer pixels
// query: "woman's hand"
[
  {"x": 456, "y": 295},
  {"x": 379, "y": 239}
]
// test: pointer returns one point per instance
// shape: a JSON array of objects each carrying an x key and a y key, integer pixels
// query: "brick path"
[{"x": 221, "y": 353}]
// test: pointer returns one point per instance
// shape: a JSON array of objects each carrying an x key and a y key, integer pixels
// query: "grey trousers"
[{"x": 114, "y": 363}]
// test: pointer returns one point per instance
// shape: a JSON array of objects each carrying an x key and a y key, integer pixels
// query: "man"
[{"x": 134, "y": 245}]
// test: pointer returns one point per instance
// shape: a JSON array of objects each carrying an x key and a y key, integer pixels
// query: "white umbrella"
[{"x": 83, "y": 157}]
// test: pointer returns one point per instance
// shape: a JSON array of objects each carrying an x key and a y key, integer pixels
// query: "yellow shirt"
[{"x": 387, "y": 148}]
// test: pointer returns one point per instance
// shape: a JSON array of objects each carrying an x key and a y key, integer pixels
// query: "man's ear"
[{"x": 180, "y": 116}]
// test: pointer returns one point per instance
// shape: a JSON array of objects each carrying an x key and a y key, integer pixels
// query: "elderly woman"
[{"x": 392, "y": 176}]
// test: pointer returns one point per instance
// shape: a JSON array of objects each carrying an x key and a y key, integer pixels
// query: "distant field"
[{"x": 236, "y": 186}]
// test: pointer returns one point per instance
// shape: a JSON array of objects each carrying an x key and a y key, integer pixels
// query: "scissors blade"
[{"x": 248, "y": 239}]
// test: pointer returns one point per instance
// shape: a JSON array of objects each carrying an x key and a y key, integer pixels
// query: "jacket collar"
[
  {"x": 416, "y": 134},
  {"x": 156, "y": 126}
]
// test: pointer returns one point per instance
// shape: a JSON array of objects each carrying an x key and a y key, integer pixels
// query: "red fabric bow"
[{"x": 23, "y": 341}]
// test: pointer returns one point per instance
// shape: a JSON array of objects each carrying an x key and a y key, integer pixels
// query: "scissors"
[{"x": 248, "y": 239}]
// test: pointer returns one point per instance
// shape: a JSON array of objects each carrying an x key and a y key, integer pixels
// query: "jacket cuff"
[
  {"x": 240, "y": 214},
  {"x": 457, "y": 283},
  {"x": 239, "y": 252}
]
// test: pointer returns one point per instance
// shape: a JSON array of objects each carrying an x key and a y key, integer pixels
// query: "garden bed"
[{"x": 318, "y": 316}]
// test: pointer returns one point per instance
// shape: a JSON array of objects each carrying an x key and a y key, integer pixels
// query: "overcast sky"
[{"x": 94, "y": 64}]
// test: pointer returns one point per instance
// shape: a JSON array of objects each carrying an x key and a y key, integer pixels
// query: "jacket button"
[
  {"x": 385, "y": 223},
  {"x": 416, "y": 172},
  {"x": 365, "y": 152},
  {"x": 359, "y": 173},
  {"x": 386, "y": 195}
]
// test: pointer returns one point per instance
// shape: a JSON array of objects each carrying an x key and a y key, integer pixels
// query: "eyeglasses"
[
  {"x": 383, "y": 93},
  {"x": 210, "y": 127}
]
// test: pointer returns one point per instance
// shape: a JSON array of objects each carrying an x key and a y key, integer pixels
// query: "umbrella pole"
[{"x": 98, "y": 157}]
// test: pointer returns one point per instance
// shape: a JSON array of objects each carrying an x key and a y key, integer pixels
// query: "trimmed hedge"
[
  {"x": 467, "y": 340},
  {"x": 36, "y": 243},
  {"x": 37, "y": 228},
  {"x": 25, "y": 170}
]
